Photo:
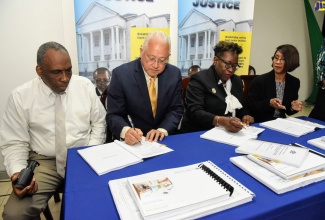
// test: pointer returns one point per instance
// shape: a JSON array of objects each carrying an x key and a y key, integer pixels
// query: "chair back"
[
  {"x": 185, "y": 82},
  {"x": 247, "y": 80},
  {"x": 251, "y": 70}
]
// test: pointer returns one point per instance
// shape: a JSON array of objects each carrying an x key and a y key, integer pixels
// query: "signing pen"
[
  {"x": 313, "y": 151},
  {"x": 132, "y": 125}
]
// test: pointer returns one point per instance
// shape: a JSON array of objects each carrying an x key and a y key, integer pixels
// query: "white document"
[
  {"x": 145, "y": 149},
  {"x": 108, "y": 157},
  {"x": 305, "y": 122},
  {"x": 311, "y": 163},
  {"x": 289, "y": 126},
  {"x": 281, "y": 153},
  {"x": 117, "y": 155},
  {"x": 273, "y": 181},
  {"x": 317, "y": 142},
  {"x": 221, "y": 135},
  {"x": 128, "y": 209}
]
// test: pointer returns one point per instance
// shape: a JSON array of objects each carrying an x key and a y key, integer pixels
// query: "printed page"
[
  {"x": 311, "y": 163},
  {"x": 288, "y": 127},
  {"x": 127, "y": 207},
  {"x": 168, "y": 194},
  {"x": 305, "y": 122},
  {"x": 221, "y": 135},
  {"x": 280, "y": 153},
  {"x": 317, "y": 142},
  {"x": 273, "y": 181},
  {"x": 107, "y": 157},
  {"x": 145, "y": 149}
]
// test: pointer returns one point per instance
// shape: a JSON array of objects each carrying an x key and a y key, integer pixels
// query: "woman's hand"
[{"x": 296, "y": 105}]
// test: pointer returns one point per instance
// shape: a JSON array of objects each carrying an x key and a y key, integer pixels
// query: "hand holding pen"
[
  {"x": 232, "y": 124},
  {"x": 133, "y": 135}
]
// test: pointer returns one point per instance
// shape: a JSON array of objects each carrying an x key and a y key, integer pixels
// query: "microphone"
[{"x": 26, "y": 175}]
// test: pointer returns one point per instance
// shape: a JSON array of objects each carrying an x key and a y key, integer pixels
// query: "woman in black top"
[
  {"x": 274, "y": 94},
  {"x": 215, "y": 96}
]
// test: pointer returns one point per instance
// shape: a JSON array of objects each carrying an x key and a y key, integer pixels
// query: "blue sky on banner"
[
  {"x": 120, "y": 7},
  {"x": 245, "y": 12}
]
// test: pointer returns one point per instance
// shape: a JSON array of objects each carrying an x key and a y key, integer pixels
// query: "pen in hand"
[{"x": 132, "y": 125}]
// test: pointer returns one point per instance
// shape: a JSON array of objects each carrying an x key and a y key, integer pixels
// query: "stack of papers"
[
  {"x": 187, "y": 192},
  {"x": 318, "y": 142},
  {"x": 117, "y": 155},
  {"x": 292, "y": 126},
  {"x": 275, "y": 182},
  {"x": 281, "y": 167},
  {"x": 221, "y": 135},
  {"x": 313, "y": 162},
  {"x": 280, "y": 153}
]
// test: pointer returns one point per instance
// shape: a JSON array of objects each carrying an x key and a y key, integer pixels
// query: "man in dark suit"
[
  {"x": 102, "y": 79},
  {"x": 146, "y": 94}
]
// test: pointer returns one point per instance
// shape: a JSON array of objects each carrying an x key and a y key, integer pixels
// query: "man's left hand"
[{"x": 154, "y": 135}]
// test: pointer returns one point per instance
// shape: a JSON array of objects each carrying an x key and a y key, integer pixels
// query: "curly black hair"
[{"x": 223, "y": 46}]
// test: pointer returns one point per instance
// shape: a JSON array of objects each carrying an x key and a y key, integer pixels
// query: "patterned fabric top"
[
  {"x": 320, "y": 64},
  {"x": 279, "y": 94}
]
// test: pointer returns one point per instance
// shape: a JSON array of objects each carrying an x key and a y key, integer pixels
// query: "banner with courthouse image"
[
  {"x": 108, "y": 30},
  {"x": 203, "y": 23}
]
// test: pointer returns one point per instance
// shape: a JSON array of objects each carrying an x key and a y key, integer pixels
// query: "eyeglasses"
[
  {"x": 276, "y": 59},
  {"x": 152, "y": 60},
  {"x": 229, "y": 65}
]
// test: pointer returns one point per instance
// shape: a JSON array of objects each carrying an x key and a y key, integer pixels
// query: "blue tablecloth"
[{"x": 87, "y": 195}]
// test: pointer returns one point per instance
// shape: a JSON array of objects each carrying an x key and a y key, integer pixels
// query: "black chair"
[
  {"x": 251, "y": 70},
  {"x": 185, "y": 82},
  {"x": 47, "y": 212},
  {"x": 247, "y": 79}
]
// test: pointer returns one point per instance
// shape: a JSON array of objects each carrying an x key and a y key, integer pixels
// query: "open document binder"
[
  {"x": 221, "y": 135},
  {"x": 292, "y": 126},
  {"x": 180, "y": 193},
  {"x": 117, "y": 155}
]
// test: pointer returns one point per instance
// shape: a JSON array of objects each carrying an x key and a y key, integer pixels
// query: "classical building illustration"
[
  {"x": 103, "y": 36},
  {"x": 199, "y": 33}
]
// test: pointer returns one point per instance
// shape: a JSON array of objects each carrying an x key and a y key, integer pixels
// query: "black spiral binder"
[{"x": 215, "y": 176}]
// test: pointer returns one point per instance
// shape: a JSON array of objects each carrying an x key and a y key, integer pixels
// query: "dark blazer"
[
  {"x": 263, "y": 89},
  {"x": 206, "y": 99},
  {"x": 97, "y": 91},
  {"x": 318, "y": 111},
  {"x": 128, "y": 95}
]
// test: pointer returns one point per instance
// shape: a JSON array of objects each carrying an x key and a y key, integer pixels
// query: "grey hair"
[
  {"x": 45, "y": 47},
  {"x": 156, "y": 35}
]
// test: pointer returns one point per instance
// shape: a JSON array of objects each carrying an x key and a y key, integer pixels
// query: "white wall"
[
  {"x": 25, "y": 25},
  {"x": 280, "y": 22}
]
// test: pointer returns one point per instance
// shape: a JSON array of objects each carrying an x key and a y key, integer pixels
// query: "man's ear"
[{"x": 39, "y": 70}]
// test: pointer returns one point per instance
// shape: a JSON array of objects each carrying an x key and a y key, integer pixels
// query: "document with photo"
[{"x": 273, "y": 181}]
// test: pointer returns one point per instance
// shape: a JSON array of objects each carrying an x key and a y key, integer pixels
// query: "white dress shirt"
[{"x": 29, "y": 120}]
